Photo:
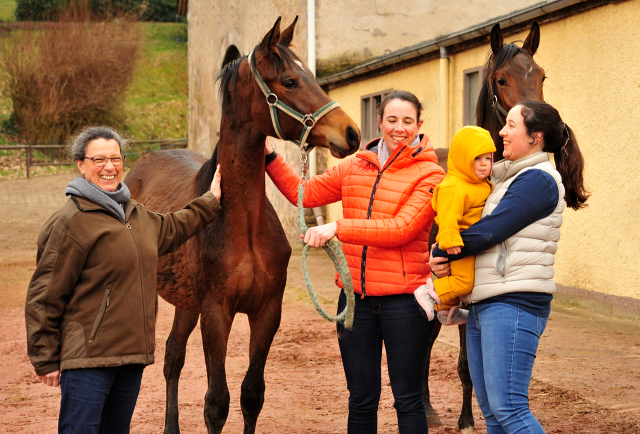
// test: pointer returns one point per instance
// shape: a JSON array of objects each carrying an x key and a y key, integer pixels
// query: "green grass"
[
  {"x": 6, "y": 10},
  {"x": 156, "y": 106},
  {"x": 156, "y": 103}
]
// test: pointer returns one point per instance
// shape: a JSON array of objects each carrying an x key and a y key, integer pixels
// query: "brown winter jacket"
[{"x": 92, "y": 299}]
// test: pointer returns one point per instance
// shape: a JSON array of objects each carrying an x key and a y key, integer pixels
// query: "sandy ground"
[{"x": 586, "y": 378}]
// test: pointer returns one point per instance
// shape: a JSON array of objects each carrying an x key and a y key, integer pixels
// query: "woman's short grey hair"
[{"x": 77, "y": 144}]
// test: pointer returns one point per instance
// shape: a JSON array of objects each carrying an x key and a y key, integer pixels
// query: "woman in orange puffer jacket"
[{"x": 386, "y": 195}]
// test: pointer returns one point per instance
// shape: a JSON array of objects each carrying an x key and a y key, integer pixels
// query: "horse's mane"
[
  {"x": 206, "y": 172},
  {"x": 507, "y": 52},
  {"x": 228, "y": 75},
  {"x": 283, "y": 57}
]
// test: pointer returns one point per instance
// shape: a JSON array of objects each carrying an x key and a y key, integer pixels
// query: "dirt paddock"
[{"x": 586, "y": 378}]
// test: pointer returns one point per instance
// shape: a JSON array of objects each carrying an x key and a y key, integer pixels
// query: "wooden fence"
[{"x": 135, "y": 150}]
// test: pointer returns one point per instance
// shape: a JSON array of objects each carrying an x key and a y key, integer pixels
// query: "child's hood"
[{"x": 468, "y": 143}]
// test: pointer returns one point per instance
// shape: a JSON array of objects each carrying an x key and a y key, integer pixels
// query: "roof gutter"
[{"x": 542, "y": 11}]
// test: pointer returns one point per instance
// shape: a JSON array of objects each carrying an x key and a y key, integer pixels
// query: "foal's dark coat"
[{"x": 239, "y": 263}]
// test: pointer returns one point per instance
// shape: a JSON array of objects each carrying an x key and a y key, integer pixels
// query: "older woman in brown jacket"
[{"x": 91, "y": 303}]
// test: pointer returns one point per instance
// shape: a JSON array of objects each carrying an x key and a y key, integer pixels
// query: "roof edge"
[{"x": 409, "y": 54}]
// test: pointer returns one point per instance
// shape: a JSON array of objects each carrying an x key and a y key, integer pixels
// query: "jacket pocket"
[
  {"x": 502, "y": 258},
  {"x": 73, "y": 342},
  {"x": 103, "y": 307}
]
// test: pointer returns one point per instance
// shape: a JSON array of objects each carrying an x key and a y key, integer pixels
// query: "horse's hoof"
[
  {"x": 434, "y": 420},
  {"x": 467, "y": 430}
]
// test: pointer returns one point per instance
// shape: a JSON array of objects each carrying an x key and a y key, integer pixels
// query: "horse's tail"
[{"x": 206, "y": 172}]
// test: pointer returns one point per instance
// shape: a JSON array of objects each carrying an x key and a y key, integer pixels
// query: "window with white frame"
[
  {"x": 471, "y": 88},
  {"x": 369, "y": 105}
]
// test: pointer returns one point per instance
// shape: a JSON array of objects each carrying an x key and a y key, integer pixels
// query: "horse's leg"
[
  {"x": 263, "y": 328},
  {"x": 465, "y": 422},
  {"x": 432, "y": 415},
  {"x": 183, "y": 324},
  {"x": 215, "y": 324}
]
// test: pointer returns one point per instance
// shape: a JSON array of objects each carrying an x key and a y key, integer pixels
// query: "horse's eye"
[
  {"x": 290, "y": 83},
  {"x": 544, "y": 78},
  {"x": 502, "y": 81}
]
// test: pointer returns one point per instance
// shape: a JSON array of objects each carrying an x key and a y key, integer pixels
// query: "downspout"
[
  {"x": 443, "y": 137},
  {"x": 311, "y": 63}
]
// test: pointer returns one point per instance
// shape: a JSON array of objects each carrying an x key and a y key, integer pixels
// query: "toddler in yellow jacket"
[{"x": 458, "y": 202}]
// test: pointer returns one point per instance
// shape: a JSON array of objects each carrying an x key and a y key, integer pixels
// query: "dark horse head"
[
  {"x": 288, "y": 79},
  {"x": 247, "y": 116},
  {"x": 510, "y": 76}
]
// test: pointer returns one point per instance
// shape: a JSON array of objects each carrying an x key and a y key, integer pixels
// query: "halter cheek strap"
[
  {"x": 331, "y": 247},
  {"x": 308, "y": 121},
  {"x": 496, "y": 104}
]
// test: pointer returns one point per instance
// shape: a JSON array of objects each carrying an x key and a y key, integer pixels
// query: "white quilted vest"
[{"x": 524, "y": 262}]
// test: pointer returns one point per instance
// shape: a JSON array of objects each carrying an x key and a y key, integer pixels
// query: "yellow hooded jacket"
[{"x": 459, "y": 199}]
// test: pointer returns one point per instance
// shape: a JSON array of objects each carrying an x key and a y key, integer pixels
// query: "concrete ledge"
[
  {"x": 543, "y": 12},
  {"x": 612, "y": 305}
]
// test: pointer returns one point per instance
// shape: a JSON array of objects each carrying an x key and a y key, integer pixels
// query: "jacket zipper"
[
  {"x": 144, "y": 314},
  {"x": 104, "y": 304},
  {"x": 363, "y": 263},
  {"x": 501, "y": 263}
]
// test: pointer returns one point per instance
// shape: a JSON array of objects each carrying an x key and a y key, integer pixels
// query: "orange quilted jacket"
[{"x": 387, "y": 213}]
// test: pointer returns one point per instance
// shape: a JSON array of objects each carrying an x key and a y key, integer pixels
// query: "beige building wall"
[
  {"x": 345, "y": 35},
  {"x": 348, "y": 35},
  {"x": 594, "y": 81}
]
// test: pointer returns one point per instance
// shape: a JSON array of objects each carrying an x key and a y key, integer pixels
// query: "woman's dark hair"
[
  {"x": 559, "y": 140},
  {"x": 77, "y": 144},
  {"x": 404, "y": 96}
]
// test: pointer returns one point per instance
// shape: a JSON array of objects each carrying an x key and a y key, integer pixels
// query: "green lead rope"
[{"x": 337, "y": 256}]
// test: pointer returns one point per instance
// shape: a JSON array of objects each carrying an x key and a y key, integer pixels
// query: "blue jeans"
[
  {"x": 502, "y": 341},
  {"x": 98, "y": 400},
  {"x": 396, "y": 321}
]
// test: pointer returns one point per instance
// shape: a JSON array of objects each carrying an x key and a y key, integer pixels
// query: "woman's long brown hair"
[{"x": 559, "y": 140}]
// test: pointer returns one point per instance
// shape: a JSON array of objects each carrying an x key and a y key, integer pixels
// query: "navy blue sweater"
[{"x": 533, "y": 195}]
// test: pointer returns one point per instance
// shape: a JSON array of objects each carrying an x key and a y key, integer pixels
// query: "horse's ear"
[
  {"x": 287, "y": 34},
  {"x": 533, "y": 40},
  {"x": 496, "y": 39},
  {"x": 271, "y": 38}
]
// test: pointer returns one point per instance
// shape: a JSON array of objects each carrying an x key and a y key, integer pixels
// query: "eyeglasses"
[{"x": 101, "y": 160}]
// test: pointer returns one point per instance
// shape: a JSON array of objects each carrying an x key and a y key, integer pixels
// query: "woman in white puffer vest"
[{"x": 515, "y": 242}]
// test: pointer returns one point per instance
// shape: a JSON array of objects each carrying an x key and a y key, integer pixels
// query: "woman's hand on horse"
[
  {"x": 215, "y": 184},
  {"x": 51, "y": 379},
  {"x": 318, "y": 236},
  {"x": 439, "y": 265},
  {"x": 267, "y": 147}
]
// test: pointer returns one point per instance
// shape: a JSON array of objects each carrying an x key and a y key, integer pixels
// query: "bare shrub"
[
  {"x": 54, "y": 10},
  {"x": 68, "y": 74}
]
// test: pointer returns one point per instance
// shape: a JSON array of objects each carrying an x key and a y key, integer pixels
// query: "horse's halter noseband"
[{"x": 308, "y": 120}]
